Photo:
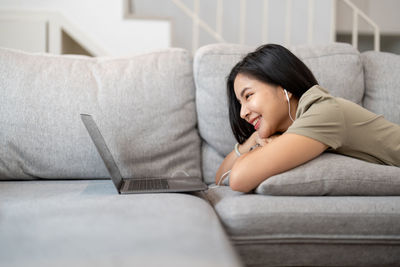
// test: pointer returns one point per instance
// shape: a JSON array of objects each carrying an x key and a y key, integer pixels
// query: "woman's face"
[{"x": 262, "y": 105}]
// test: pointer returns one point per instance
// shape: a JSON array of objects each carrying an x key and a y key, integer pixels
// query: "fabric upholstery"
[
  {"x": 211, "y": 66},
  {"x": 333, "y": 174},
  {"x": 143, "y": 105},
  {"x": 86, "y": 223},
  {"x": 382, "y": 87},
  {"x": 310, "y": 231},
  {"x": 317, "y": 253},
  {"x": 337, "y": 67}
]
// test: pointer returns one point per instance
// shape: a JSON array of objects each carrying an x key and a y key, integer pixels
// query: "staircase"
[
  {"x": 123, "y": 27},
  {"x": 384, "y": 13},
  {"x": 254, "y": 22},
  {"x": 251, "y": 22}
]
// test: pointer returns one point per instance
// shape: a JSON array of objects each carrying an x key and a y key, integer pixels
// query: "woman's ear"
[{"x": 287, "y": 94}]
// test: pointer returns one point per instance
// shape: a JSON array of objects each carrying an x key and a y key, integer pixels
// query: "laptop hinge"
[{"x": 122, "y": 186}]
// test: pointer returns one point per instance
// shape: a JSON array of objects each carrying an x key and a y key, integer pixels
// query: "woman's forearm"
[
  {"x": 226, "y": 165},
  {"x": 278, "y": 156},
  {"x": 231, "y": 158}
]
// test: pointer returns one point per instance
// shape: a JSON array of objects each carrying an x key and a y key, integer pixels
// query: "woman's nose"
[{"x": 243, "y": 111}]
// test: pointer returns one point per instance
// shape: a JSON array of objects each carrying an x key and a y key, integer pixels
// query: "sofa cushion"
[
  {"x": 86, "y": 223},
  {"x": 310, "y": 231},
  {"x": 337, "y": 67},
  {"x": 382, "y": 84},
  {"x": 143, "y": 105},
  {"x": 333, "y": 174}
]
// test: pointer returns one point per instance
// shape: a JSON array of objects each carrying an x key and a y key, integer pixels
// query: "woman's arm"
[
  {"x": 283, "y": 153},
  {"x": 230, "y": 159}
]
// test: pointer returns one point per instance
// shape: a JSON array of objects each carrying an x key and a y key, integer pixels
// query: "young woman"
[{"x": 282, "y": 118}]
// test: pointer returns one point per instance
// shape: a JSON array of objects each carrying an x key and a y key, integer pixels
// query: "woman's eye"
[{"x": 248, "y": 95}]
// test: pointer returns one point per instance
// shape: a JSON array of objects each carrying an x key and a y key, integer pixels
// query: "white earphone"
[{"x": 287, "y": 97}]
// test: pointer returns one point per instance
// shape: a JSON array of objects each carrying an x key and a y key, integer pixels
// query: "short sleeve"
[{"x": 322, "y": 121}]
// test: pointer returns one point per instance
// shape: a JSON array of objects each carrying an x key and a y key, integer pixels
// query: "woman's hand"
[
  {"x": 249, "y": 143},
  {"x": 264, "y": 141},
  {"x": 261, "y": 141},
  {"x": 254, "y": 141}
]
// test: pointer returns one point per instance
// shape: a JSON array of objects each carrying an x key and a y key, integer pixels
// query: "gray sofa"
[{"x": 165, "y": 113}]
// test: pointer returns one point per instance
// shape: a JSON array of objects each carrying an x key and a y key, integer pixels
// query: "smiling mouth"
[{"x": 256, "y": 123}]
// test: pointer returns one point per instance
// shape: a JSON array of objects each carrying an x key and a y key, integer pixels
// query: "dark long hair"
[{"x": 272, "y": 64}]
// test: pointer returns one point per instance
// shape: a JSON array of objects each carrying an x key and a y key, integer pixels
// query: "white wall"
[
  {"x": 28, "y": 35},
  {"x": 103, "y": 23}
]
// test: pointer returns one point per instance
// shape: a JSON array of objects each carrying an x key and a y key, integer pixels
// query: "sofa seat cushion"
[
  {"x": 337, "y": 67},
  {"x": 310, "y": 231},
  {"x": 143, "y": 104},
  {"x": 86, "y": 223}
]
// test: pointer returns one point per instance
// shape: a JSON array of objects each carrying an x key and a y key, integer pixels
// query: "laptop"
[{"x": 138, "y": 185}]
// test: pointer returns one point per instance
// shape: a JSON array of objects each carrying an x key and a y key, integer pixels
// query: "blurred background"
[{"x": 124, "y": 27}]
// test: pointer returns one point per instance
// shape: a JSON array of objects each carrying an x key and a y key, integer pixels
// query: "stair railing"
[
  {"x": 217, "y": 32},
  {"x": 359, "y": 13}
]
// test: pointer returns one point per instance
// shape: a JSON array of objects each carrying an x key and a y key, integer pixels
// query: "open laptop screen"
[{"x": 102, "y": 148}]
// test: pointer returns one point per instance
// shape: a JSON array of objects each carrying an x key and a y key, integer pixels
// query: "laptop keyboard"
[{"x": 147, "y": 184}]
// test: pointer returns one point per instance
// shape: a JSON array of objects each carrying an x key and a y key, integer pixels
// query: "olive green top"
[{"x": 346, "y": 127}]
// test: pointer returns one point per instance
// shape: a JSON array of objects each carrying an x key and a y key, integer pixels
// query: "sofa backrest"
[
  {"x": 337, "y": 67},
  {"x": 382, "y": 84},
  {"x": 144, "y": 106}
]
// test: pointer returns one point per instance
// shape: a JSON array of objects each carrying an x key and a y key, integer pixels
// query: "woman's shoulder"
[
  {"x": 314, "y": 95},
  {"x": 319, "y": 116}
]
